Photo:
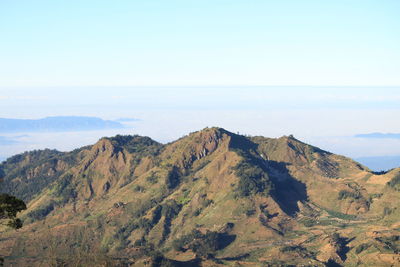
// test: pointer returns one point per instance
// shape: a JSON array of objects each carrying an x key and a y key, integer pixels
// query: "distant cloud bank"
[
  {"x": 56, "y": 124},
  {"x": 127, "y": 120},
  {"x": 7, "y": 141},
  {"x": 379, "y": 135}
]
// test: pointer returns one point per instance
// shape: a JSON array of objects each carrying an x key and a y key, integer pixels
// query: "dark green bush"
[
  {"x": 152, "y": 178},
  {"x": 42, "y": 212},
  {"x": 252, "y": 179},
  {"x": 173, "y": 178},
  {"x": 308, "y": 222},
  {"x": 395, "y": 183},
  {"x": 362, "y": 247},
  {"x": 343, "y": 194},
  {"x": 203, "y": 245},
  {"x": 138, "y": 188},
  {"x": 140, "y": 145}
]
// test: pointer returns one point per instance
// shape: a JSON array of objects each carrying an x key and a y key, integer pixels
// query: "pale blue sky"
[{"x": 207, "y": 42}]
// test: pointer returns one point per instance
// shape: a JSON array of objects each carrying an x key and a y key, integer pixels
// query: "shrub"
[
  {"x": 203, "y": 245},
  {"x": 362, "y": 247},
  {"x": 197, "y": 212},
  {"x": 152, "y": 178},
  {"x": 250, "y": 212},
  {"x": 395, "y": 183},
  {"x": 173, "y": 178},
  {"x": 308, "y": 222},
  {"x": 170, "y": 210},
  {"x": 343, "y": 194},
  {"x": 42, "y": 212},
  {"x": 138, "y": 188}
]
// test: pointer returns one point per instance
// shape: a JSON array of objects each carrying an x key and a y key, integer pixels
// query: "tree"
[{"x": 9, "y": 207}]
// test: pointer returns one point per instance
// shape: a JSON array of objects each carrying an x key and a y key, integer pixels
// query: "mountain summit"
[{"x": 211, "y": 198}]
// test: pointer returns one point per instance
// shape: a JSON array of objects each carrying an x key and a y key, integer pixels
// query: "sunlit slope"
[{"x": 210, "y": 198}]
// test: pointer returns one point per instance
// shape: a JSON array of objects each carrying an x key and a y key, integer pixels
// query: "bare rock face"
[{"x": 196, "y": 147}]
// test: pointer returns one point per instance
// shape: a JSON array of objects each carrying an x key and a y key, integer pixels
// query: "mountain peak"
[{"x": 211, "y": 194}]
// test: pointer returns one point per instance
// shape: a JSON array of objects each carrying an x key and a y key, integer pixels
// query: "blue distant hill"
[
  {"x": 57, "y": 124},
  {"x": 379, "y": 135}
]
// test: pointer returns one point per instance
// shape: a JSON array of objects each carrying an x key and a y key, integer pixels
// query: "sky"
[
  {"x": 199, "y": 43},
  {"x": 321, "y": 70}
]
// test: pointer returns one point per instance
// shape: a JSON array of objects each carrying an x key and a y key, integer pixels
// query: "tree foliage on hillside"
[
  {"x": 395, "y": 183},
  {"x": 9, "y": 207},
  {"x": 203, "y": 245},
  {"x": 253, "y": 179},
  {"x": 25, "y": 175},
  {"x": 141, "y": 145}
]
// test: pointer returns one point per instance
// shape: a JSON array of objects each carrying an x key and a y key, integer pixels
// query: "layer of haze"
[{"x": 328, "y": 117}]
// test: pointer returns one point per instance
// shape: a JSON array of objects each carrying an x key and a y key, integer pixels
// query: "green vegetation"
[
  {"x": 253, "y": 179},
  {"x": 395, "y": 183},
  {"x": 9, "y": 207},
  {"x": 203, "y": 245},
  {"x": 299, "y": 250},
  {"x": 169, "y": 210},
  {"x": 64, "y": 190},
  {"x": 387, "y": 211},
  {"x": 173, "y": 178},
  {"x": 390, "y": 243},
  {"x": 138, "y": 188},
  {"x": 139, "y": 145},
  {"x": 41, "y": 212},
  {"x": 308, "y": 222},
  {"x": 362, "y": 247},
  {"x": 152, "y": 178},
  {"x": 343, "y": 194},
  {"x": 27, "y": 174},
  {"x": 342, "y": 216}
]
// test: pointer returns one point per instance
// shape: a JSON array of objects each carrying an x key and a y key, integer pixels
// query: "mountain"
[
  {"x": 211, "y": 198},
  {"x": 58, "y": 124}
]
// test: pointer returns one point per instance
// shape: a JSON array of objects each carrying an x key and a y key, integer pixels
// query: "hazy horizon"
[{"x": 328, "y": 117}]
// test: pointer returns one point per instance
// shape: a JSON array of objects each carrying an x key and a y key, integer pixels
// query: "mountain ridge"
[{"x": 202, "y": 199}]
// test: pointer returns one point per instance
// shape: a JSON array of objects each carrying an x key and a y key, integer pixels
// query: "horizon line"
[{"x": 196, "y": 86}]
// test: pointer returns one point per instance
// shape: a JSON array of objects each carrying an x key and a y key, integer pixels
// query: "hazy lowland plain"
[{"x": 210, "y": 198}]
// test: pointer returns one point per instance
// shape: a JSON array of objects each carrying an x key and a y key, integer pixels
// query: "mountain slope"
[{"x": 210, "y": 198}]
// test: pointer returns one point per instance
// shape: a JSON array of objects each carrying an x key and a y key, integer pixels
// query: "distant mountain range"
[
  {"x": 56, "y": 124},
  {"x": 379, "y": 135},
  {"x": 211, "y": 198}
]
